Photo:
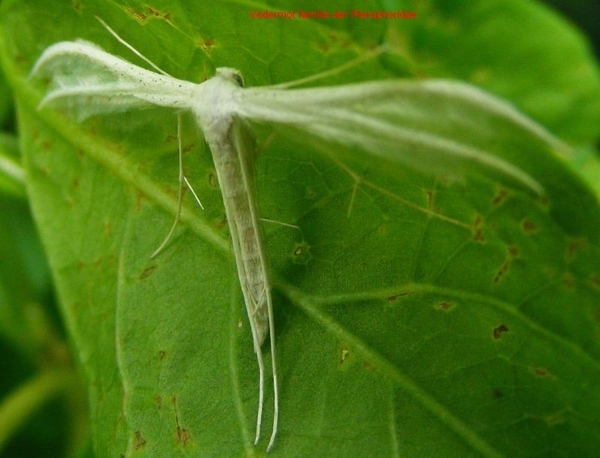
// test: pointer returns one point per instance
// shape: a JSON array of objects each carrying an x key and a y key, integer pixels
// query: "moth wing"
[
  {"x": 88, "y": 81},
  {"x": 436, "y": 126}
]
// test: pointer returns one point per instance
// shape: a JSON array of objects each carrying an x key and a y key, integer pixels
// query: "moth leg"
[
  {"x": 189, "y": 186},
  {"x": 281, "y": 223},
  {"x": 261, "y": 386},
  {"x": 182, "y": 180},
  {"x": 265, "y": 297},
  {"x": 274, "y": 369}
]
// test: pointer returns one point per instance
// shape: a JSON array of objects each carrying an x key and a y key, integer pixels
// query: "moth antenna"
[
  {"x": 371, "y": 54},
  {"x": 131, "y": 48}
]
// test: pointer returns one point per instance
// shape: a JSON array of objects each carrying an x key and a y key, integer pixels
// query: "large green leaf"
[{"x": 415, "y": 316}]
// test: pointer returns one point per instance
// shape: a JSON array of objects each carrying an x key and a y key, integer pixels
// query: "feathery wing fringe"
[{"x": 88, "y": 81}]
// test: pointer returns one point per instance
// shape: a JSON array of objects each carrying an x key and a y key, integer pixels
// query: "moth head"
[{"x": 231, "y": 74}]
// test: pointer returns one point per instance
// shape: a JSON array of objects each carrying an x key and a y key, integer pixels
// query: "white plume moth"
[{"x": 92, "y": 81}]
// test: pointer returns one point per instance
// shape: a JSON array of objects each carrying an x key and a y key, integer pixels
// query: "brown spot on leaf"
[
  {"x": 139, "y": 200},
  {"x": 478, "y": 229},
  {"x": 310, "y": 194},
  {"x": 108, "y": 229},
  {"x": 139, "y": 441},
  {"x": 501, "y": 271},
  {"x": 595, "y": 280},
  {"x": 555, "y": 419},
  {"x": 148, "y": 271},
  {"x": 542, "y": 372},
  {"x": 158, "y": 401},
  {"x": 335, "y": 40},
  {"x": 324, "y": 47},
  {"x": 568, "y": 280},
  {"x": 344, "y": 41},
  {"x": 529, "y": 227},
  {"x": 499, "y": 331},
  {"x": 183, "y": 435},
  {"x": 393, "y": 298},
  {"x": 141, "y": 17},
  {"x": 512, "y": 252},
  {"x": 574, "y": 246},
  {"x": 368, "y": 366},
  {"x": 445, "y": 306},
  {"x": 500, "y": 197},
  {"x": 159, "y": 14},
  {"x": 497, "y": 393},
  {"x": 207, "y": 44},
  {"x": 161, "y": 354}
]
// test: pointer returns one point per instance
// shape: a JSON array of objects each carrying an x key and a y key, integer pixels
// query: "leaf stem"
[
  {"x": 19, "y": 405},
  {"x": 11, "y": 170}
]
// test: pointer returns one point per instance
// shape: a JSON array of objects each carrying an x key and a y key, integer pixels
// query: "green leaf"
[
  {"x": 414, "y": 316},
  {"x": 518, "y": 49}
]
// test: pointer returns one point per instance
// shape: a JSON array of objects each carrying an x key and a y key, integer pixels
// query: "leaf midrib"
[
  {"x": 575, "y": 352},
  {"x": 311, "y": 307}
]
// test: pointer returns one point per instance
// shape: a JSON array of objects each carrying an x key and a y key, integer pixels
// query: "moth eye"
[{"x": 238, "y": 79}]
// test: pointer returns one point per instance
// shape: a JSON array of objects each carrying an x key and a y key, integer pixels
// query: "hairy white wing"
[
  {"x": 436, "y": 126},
  {"x": 88, "y": 81}
]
